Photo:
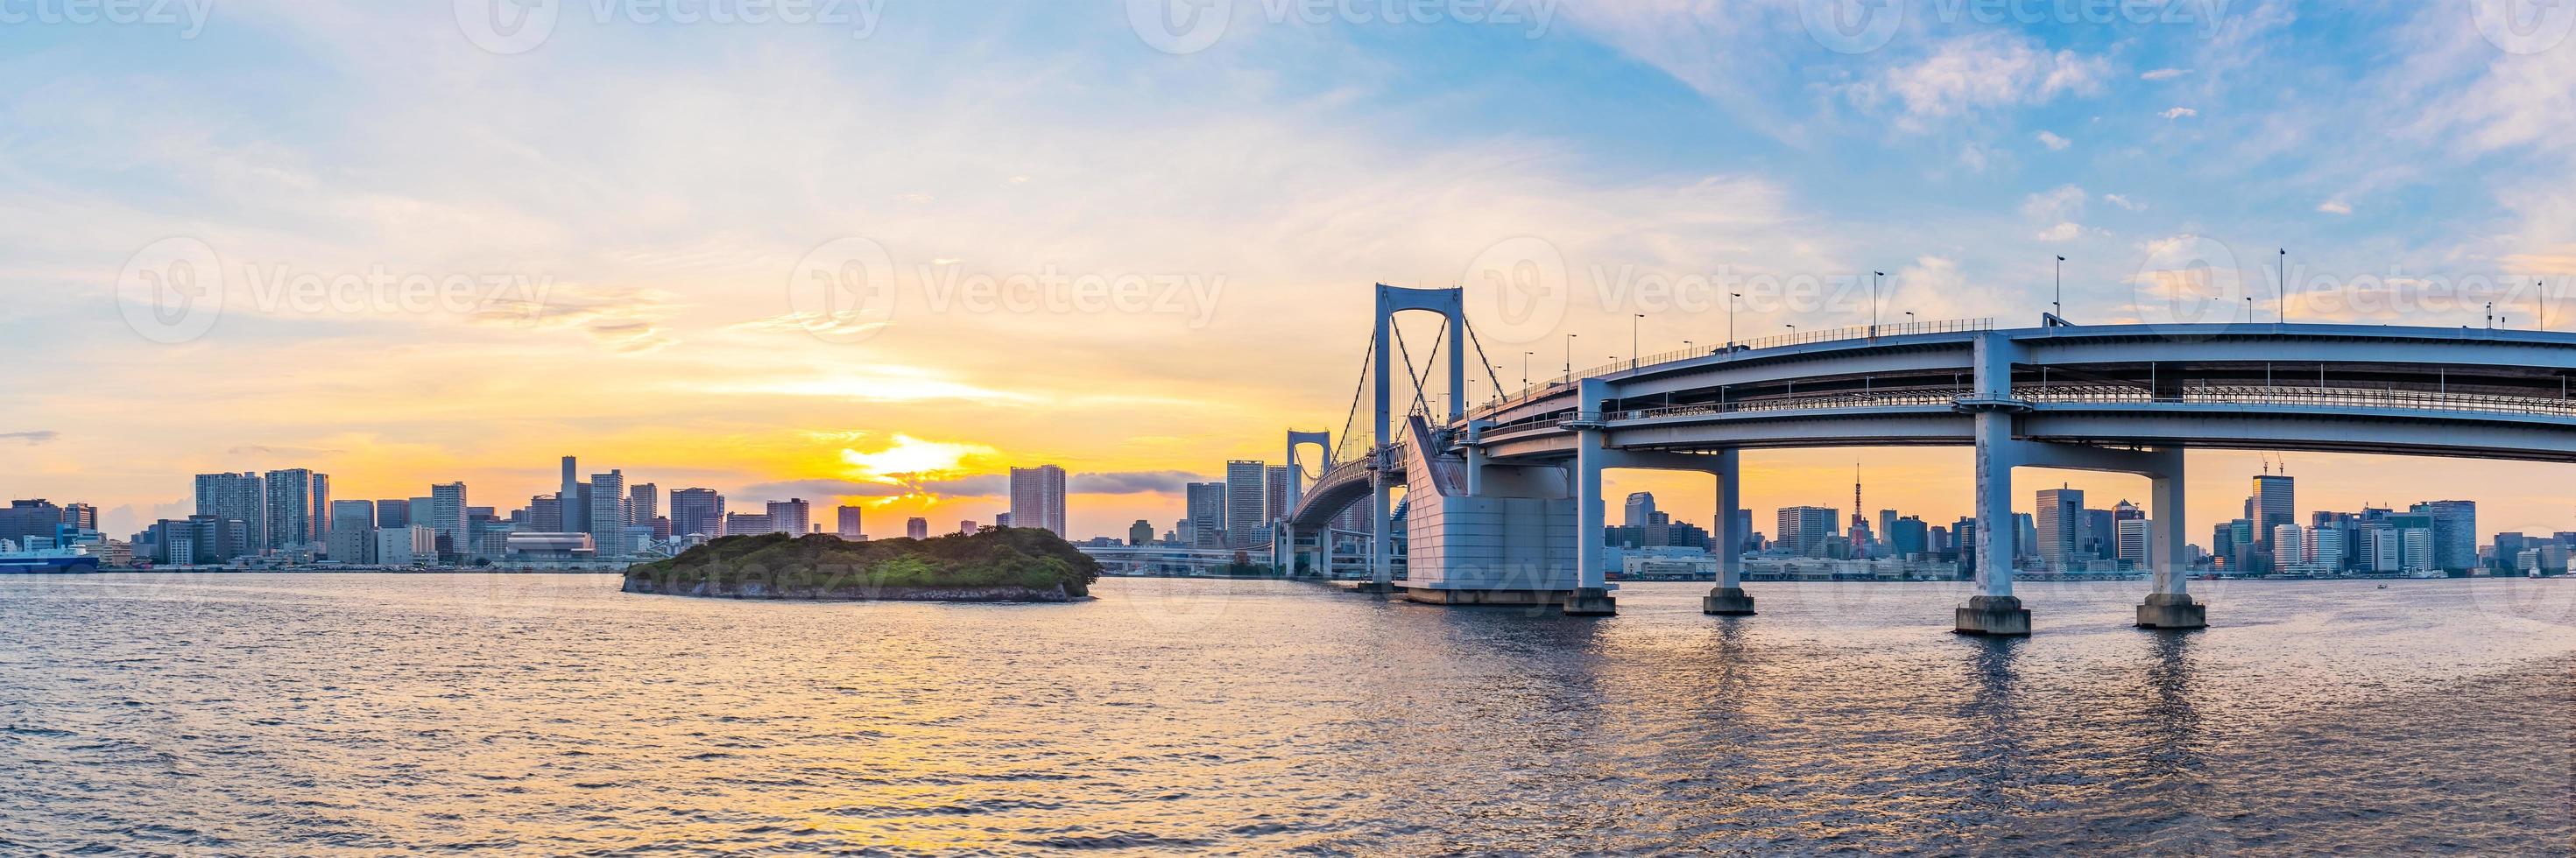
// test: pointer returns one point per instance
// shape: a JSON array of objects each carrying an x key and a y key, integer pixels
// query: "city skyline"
[{"x": 1965, "y": 159}]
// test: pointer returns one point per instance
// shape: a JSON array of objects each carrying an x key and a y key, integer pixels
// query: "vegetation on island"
[{"x": 998, "y": 558}]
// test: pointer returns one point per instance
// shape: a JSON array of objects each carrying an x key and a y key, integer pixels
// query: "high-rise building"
[
  {"x": 608, "y": 515},
  {"x": 2289, "y": 547},
  {"x": 393, "y": 512},
  {"x": 967, "y": 527},
  {"x": 298, "y": 503},
  {"x": 1002, "y": 519},
  {"x": 2418, "y": 550},
  {"x": 353, "y": 532},
  {"x": 571, "y": 484},
  {"x": 1037, "y": 498},
  {"x": 2273, "y": 503},
  {"x": 80, "y": 516},
  {"x": 1641, "y": 509},
  {"x": 1274, "y": 494},
  {"x": 1807, "y": 530},
  {"x": 916, "y": 528},
  {"x": 643, "y": 503},
  {"x": 2061, "y": 515},
  {"x": 1907, "y": 535},
  {"x": 545, "y": 514},
  {"x": 849, "y": 524},
  {"x": 1246, "y": 499},
  {"x": 1140, "y": 533},
  {"x": 745, "y": 523},
  {"x": 2455, "y": 533},
  {"x": 353, "y": 515},
  {"x": 697, "y": 512},
  {"x": 2133, "y": 548},
  {"x": 2325, "y": 547},
  {"x": 27, "y": 518},
  {"x": 792, "y": 516},
  {"x": 236, "y": 497},
  {"x": 448, "y": 519},
  {"x": 1204, "y": 509}
]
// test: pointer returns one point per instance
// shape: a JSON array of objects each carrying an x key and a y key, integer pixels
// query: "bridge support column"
[
  {"x": 2169, "y": 606},
  {"x": 1591, "y": 596},
  {"x": 1994, "y": 610},
  {"x": 1727, "y": 599},
  {"x": 1381, "y": 542}
]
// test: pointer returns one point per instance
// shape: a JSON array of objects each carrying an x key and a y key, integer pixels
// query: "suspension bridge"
[{"x": 1504, "y": 497}]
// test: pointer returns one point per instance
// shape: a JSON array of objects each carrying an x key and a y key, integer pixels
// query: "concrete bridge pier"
[
  {"x": 1591, "y": 596},
  {"x": 1994, "y": 610},
  {"x": 2169, "y": 606},
  {"x": 1727, "y": 599}
]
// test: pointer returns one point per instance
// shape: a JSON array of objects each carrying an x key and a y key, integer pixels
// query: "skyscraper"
[
  {"x": 1037, "y": 498},
  {"x": 393, "y": 512},
  {"x": 447, "y": 517},
  {"x": 643, "y": 503},
  {"x": 608, "y": 515},
  {"x": 1140, "y": 533},
  {"x": 1246, "y": 502},
  {"x": 2455, "y": 533},
  {"x": 2273, "y": 503},
  {"x": 849, "y": 524},
  {"x": 1806, "y": 530},
  {"x": 291, "y": 510},
  {"x": 916, "y": 528},
  {"x": 238, "y": 497},
  {"x": 1641, "y": 509},
  {"x": 2061, "y": 513},
  {"x": 1204, "y": 509},
  {"x": 791, "y": 516},
  {"x": 2289, "y": 548},
  {"x": 697, "y": 512}
]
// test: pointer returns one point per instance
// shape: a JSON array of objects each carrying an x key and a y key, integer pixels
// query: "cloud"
[
  {"x": 973, "y": 486},
  {"x": 33, "y": 437},
  {"x": 1988, "y": 70},
  {"x": 2179, "y": 112},
  {"x": 2066, "y": 231},
  {"x": 261, "y": 450},
  {"x": 1132, "y": 482},
  {"x": 2335, "y": 206},
  {"x": 622, "y": 320},
  {"x": 2124, "y": 202},
  {"x": 2164, "y": 74},
  {"x": 2054, "y": 142}
]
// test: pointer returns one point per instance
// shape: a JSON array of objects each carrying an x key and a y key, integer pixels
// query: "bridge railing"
[
  {"x": 1826, "y": 335},
  {"x": 2330, "y": 397},
  {"x": 1917, "y": 397}
]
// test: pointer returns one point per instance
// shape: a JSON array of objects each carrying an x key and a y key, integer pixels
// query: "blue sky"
[{"x": 661, "y": 184}]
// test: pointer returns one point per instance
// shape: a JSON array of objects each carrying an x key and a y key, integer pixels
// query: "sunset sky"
[{"x": 627, "y": 257}]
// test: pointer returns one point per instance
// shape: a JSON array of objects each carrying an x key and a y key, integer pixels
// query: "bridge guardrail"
[
  {"x": 1827, "y": 335},
  {"x": 2338, "y": 397}
]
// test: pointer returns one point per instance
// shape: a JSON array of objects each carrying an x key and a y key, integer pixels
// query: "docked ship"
[{"x": 47, "y": 561}]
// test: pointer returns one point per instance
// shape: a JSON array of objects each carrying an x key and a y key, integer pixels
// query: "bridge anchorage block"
[
  {"x": 1590, "y": 602},
  {"x": 1726, "y": 602},
  {"x": 2172, "y": 611},
  {"x": 1999, "y": 616}
]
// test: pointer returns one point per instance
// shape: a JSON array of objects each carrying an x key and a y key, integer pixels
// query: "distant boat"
[{"x": 48, "y": 561}]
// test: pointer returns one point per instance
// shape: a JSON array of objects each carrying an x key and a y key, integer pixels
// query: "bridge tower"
[
  {"x": 1451, "y": 304},
  {"x": 1283, "y": 536}
]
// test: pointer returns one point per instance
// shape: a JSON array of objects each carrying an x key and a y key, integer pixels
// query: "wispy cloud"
[
  {"x": 2179, "y": 113},
  {"x": 32, "y": 437},
  {"x": 2054, "y": 142},
  {"x": 2163, "y": 74}
]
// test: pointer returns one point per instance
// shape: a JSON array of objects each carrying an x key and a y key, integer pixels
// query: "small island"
[{"x": 1009, "y": 564}]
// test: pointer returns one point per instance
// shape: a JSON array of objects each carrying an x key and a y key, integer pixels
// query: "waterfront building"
[
  {"x": 745, "y": 523},
  {"x": 698, "y": 512},
  {"x": 916, "y": 528},
  {"x": 34, "y": 517},
  {"x": 393, "y": 512},
  {"x": 608, "y": 513},
  {"x": 1205, "y": 510},
  {"x": 241, "y": 497},
  {"x": 1807, "y": 530},
  {"x": 545, "y": 514},
  {"x": 792, "y": 516},
  {"x": 447, "y": 518},
  {"x": 2288, "y": 548},
  {"x": 1140, "y": 533},
  {"x": 2455, "y": 533},
  {"x": 1908, "y": 536},
  {"x": 848, "y": 524},
  {"x": 1037, "y": 498},
  {"x": 1641, "y": 509},
  {"x": 2273, "y": 503},
  {"x": 2133, "y": 551},
  {"x": 1246, "y": 516},
  {"x": 643, "y": 503},
  {"x": 297, "y": 501},
  {"x": 2061, "y": 513}
]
